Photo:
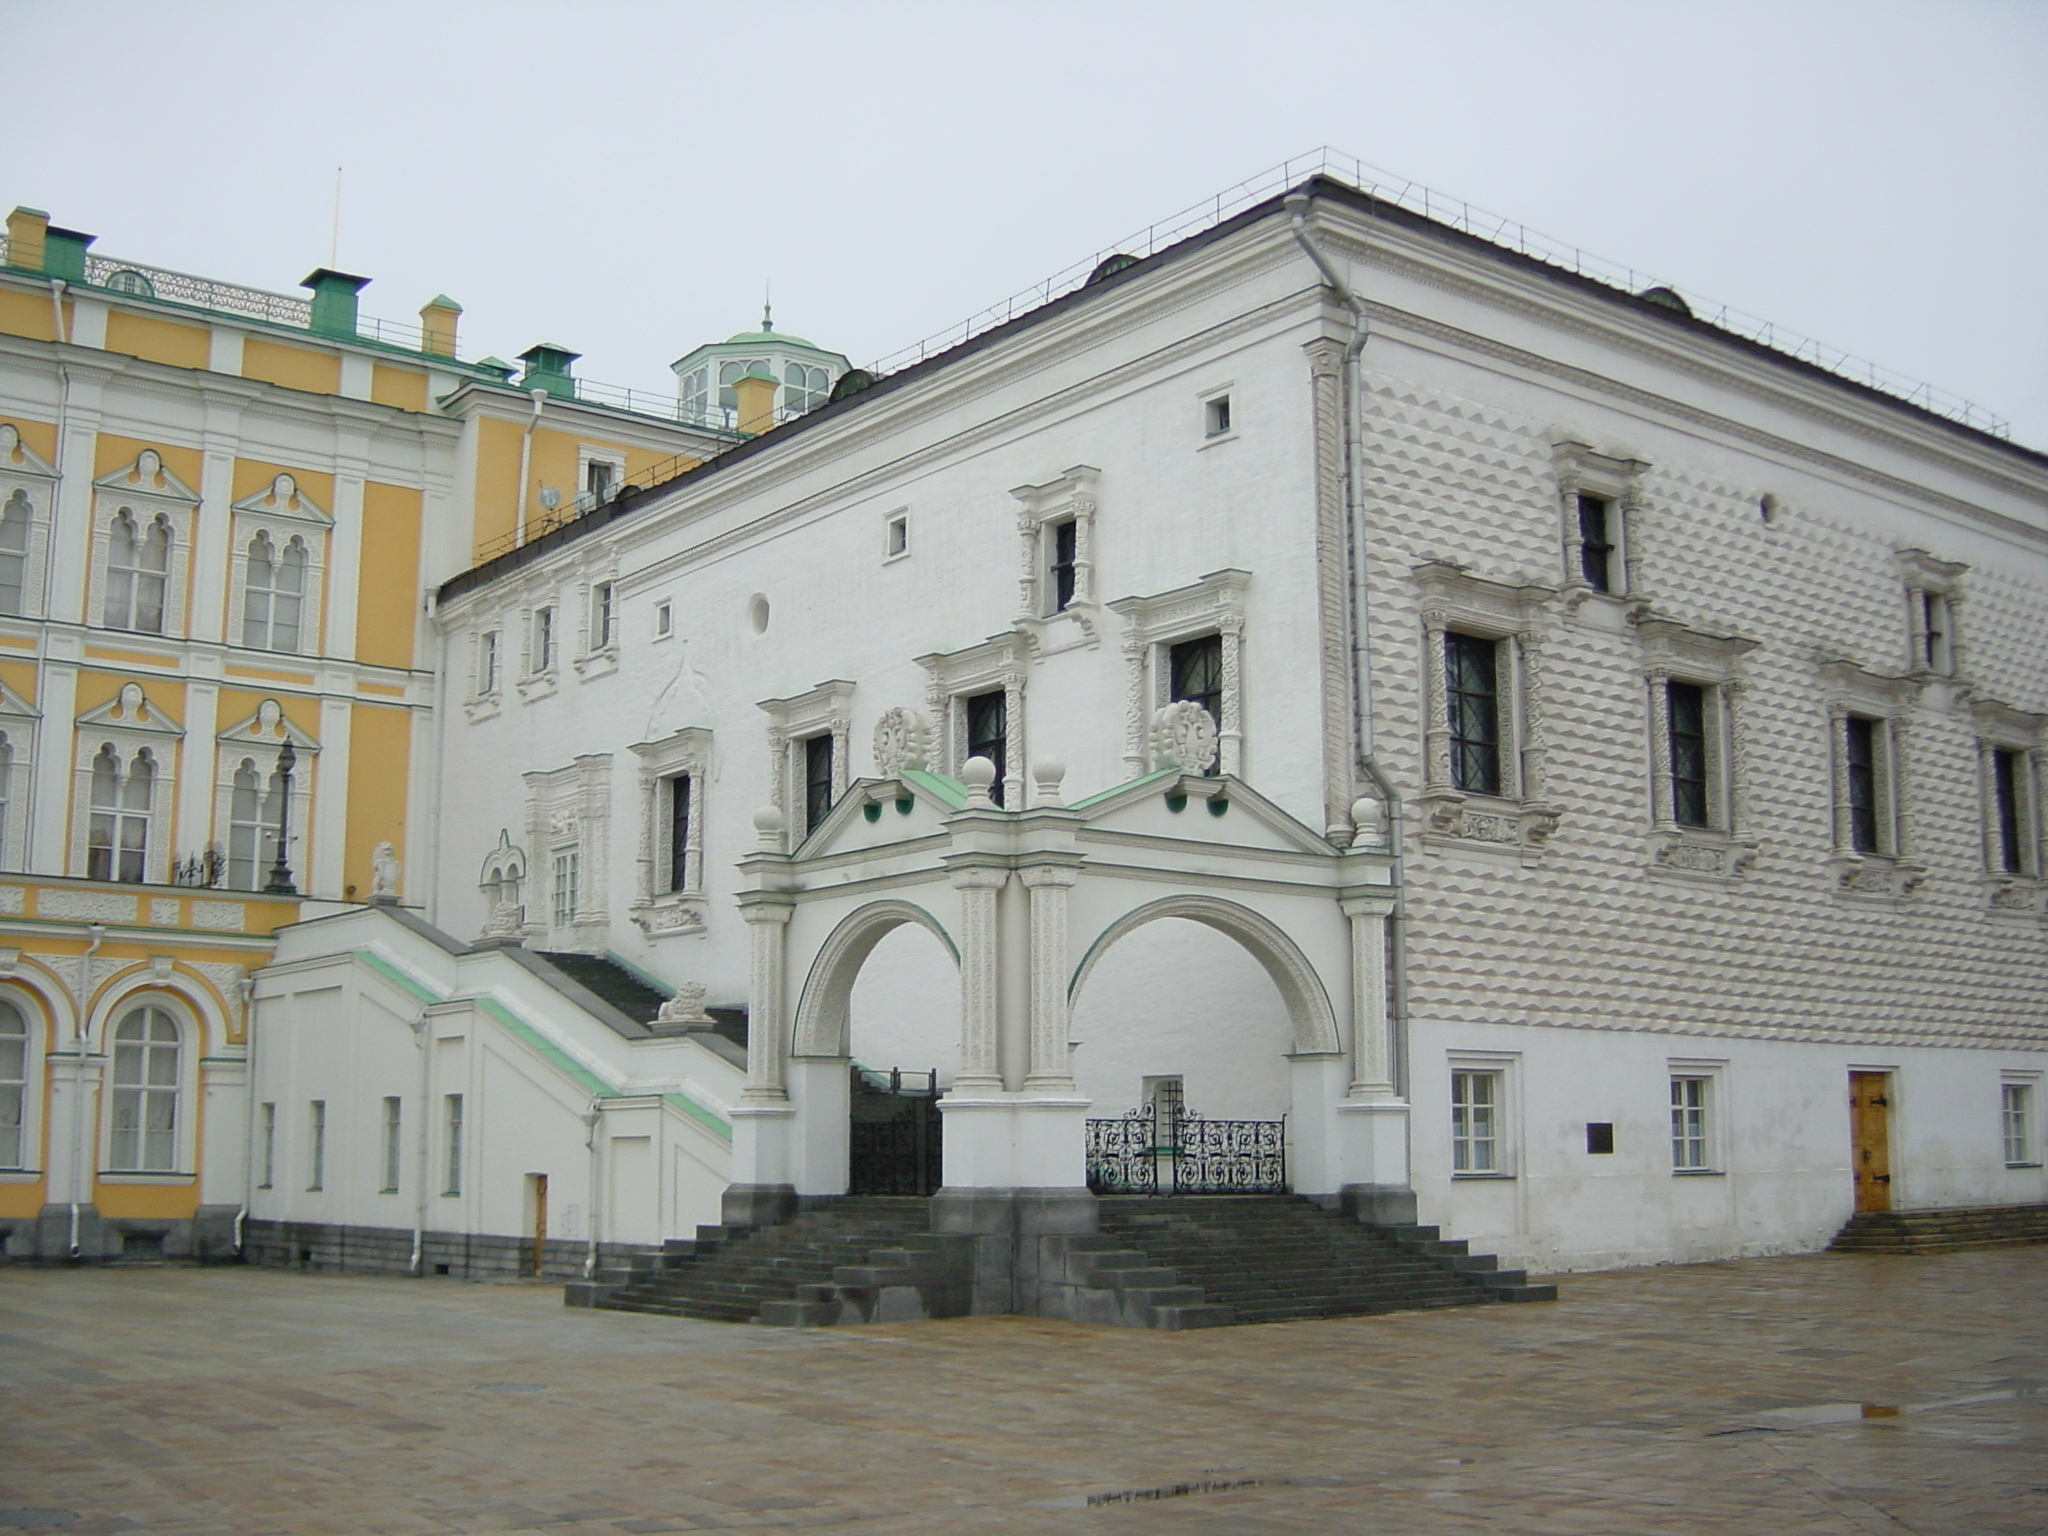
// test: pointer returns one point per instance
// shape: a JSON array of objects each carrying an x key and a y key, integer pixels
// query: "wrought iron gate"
[
  {"x": 893, "y": 1133},
  {"x": 1163, "y": 1148}
]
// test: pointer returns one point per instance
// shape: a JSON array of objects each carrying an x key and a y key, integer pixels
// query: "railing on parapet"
[
  {"x": 1469, "y": 219},
  {"x": 553, "y": 519}
]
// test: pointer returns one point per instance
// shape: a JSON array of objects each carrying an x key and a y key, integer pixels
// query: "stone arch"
[
  {"x": 821, "y": 1012},
  {"x": 1301, "y": 989}
]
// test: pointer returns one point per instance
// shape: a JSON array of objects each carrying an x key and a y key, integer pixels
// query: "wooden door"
[
  {"x": 540, "y": 1220},
  {"x": 1870, "y": 1139}
]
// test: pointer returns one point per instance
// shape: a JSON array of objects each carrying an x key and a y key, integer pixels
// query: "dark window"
[
  {"x": 817, "y": 780},
  {"x": 1596, "y": 542},
  {"x": 1063, "y": 544},
  {"x": 1472, "y": 687},
  {"x": 679, "y": 832},
  {"x": 1860, "y": 743},
  {"x": 1195, "y": 669},
  {"x": 1934, "y": 613},
  {"x": 987, "y": 729},
  {"x": 1218, "y": 416},
  {"x": 2005, "y": 794},
  {"x": 1686, "y": 710},
  {"x": 598, "y": 479},
  {"x": 1600, "y": 1137}
]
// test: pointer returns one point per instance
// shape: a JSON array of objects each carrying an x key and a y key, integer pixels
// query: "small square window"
[
  {"x": 664, "y": 619},
  {"x": 1600, "y": 1137},
  {"x": 896, "y": 536},
  {"x": 1216, "y": 416}
]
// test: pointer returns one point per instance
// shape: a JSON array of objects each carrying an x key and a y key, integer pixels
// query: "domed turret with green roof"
[{"x": 803, "y": 371}]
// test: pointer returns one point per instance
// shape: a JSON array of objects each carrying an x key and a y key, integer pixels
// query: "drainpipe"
[
  {"x": 1297, "y": 204},
  {"x": 417, "y": 1267},
  {"x": 590, "y": 1123},
  {"x": 247, "y": 988},
  {"x": 62, "y": 332},
  {"x": 525, "y": 459},
  {"x": 78, "y": 1044}
]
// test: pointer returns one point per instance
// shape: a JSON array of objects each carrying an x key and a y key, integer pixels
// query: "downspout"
[
  {"x": 1297, "y": 204},
  {"x": 63, "y": 334},
  {"x": 248, "y": 990},
  {"x": 417, "y": 1267},
  {"x": 525, "y": 459},
  {"x": 590, "y": 1124},
  {"x": 78, "y": 1044}
]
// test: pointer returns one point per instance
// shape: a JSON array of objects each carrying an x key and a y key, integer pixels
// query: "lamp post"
[{"x": 280, "y": 872}]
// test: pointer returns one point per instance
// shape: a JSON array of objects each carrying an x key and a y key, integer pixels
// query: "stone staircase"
[
  {"x": 1954, "y": 1231},
  {"x": 786, "y": 1274},
  {"x": 613, "y": 983},
  {"x": 1278, "y": 1258}
]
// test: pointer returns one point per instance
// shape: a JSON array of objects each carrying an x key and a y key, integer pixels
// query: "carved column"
[
  {"x": 1838, "y": 761},
  {"x": 1987, "y": 794},
  {"x": 2037, "y": 759},
  {"x": 1029, "y": 603},
  {"x": 1663, "y": 810},
  {"x": 1568, "y": 521},
  {"x": 841, "y": 727},
  {"x": 979, "y": 887},
  {"x": 1372, "y": 1044},
  {"x": 1896, "y": 766},
  {"x": 778, "y": 768},
  {"x": 1230, "y": 737},
  {"x": 1533, "y": 725},
  {"x": 767, "y": 1001},
  {"x": 1437, "y": 732},
  {"x": 1049, "y": 1067},
  {"x": 1333, "y": 581},
  {"x": 1084, "y": 549},
  {"x": 1014, "y": 750},
  {"x": 1634, "y": 508},
  {"x": 1136, "y": 716},
  {"x": 1958, "y": 658},
  {"x": 1735, "y": 691}
]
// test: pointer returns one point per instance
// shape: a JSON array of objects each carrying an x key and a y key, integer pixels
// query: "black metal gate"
[
  {"x": 893, "y": 1133},
  {"x": 1163, "y": 1148}
]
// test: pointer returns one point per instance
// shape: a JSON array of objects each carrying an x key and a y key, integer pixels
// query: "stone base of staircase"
[
  {"x": 1961, "y": 1230},
  {"x": 1169, "y": 1263}
]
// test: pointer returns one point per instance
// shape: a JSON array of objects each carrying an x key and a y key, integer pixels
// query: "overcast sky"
[{"x": 624, "y": 178}]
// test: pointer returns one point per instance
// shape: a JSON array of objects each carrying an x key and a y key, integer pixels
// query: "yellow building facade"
[{"x": 220, "y": 511}]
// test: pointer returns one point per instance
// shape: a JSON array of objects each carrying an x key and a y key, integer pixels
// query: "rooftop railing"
[{"x": 1468, "y": 218}]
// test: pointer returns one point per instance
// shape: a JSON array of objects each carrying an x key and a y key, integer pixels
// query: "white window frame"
[
  {"x": 896, "y": 535},
  {"x": 1072, "y": 497},
  {"x": 281, "y": 511},
  {"x": 1724, "y": 849},
  {"x": 568, "y": 810},
  {"x": 191, "y": 1045},
  {"x": 540, "y": 667},
  {"x": 1711, "y": 1076},
  {"x": 613, "y": 458},
  {"x": 19, "y": 735},
  {"x": 825, "y": 709},
  {"x": 1152, "y": 627},
  {"x": 1582, "y": 470},
  {"x": 1891, "y": 873},
  {"x": 1521, "y": 818},
  {"x": 486, "y": 673},
  {"x": 1225, "y": 396},
  {"x": 2018, "y": 1119},
  {"x": 665, "y": 619},
  {"x": 130, "y": 722},
  {"x": 657, "y": 910},
  {"x": 2021, "y": 893},
  {"x": 30, "y": 1085},
  {"x": 1502, "y": 1069},
  {"x": 953, "y": 677},
  {"x": 1933, "y": 582},
  {"x": 144, "y": 489},
  {"x": 260, "y": 739},
  {"x": 23, "y": 469}
]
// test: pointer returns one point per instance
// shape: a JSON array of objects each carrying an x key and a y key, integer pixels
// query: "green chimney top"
[
  {"x": 64, "y": 253},
  {"x": 547, "y": 368},
  {"x": 334, "y": 301}
]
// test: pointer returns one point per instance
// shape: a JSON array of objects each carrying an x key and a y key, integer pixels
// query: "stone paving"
[{"x": 1822, "y": 1394}]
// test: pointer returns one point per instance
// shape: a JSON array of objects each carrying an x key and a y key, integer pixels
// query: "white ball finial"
[
  {"x": 1046, "y": 773},
  {"x": 769, "y": 822},
  {"x": 978, "y": 773}
]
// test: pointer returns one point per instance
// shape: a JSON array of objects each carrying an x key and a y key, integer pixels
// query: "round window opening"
[{"x": 757, "y": 613}]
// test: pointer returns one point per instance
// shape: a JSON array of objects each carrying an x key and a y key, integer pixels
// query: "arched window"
[
  {"x": 13, "y": 1085},
  {"x": 117, "y": 844},
  {"x": 252, "y": 825},
  {"x": 275, "y": 595},
  {"x": 14, "y": 521},
  {"x": 145, "y": 1093},
  {"x": 138, "y": 570}
]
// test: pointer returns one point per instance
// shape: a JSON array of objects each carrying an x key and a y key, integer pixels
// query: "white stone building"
[{"x": 1614, "y": 745}]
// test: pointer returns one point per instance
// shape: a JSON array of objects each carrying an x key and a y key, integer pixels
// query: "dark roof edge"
[{"x": 1319, "y": 185}]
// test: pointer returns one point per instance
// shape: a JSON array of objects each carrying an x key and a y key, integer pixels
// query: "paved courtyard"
[{"x": 1821, "y": 1394}]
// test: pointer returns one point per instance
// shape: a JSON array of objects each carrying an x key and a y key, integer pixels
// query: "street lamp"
[{"x": 280, "y": 872}]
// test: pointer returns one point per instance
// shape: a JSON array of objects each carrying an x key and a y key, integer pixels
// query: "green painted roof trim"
[
  {"x": 1117, "y": 789},
  {"x": 710, "y": 1119},
  {"x": 952, "y": 791}
]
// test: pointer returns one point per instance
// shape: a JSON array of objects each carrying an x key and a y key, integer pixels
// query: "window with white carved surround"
[
  {"x": 597, "y": 602},
  {"x": 1600, "y": 518},
  {"x": 18, "y": 730},
  {"x": 28, "y": 489},
  {"x": 487, "y": 664},
  {"x": 997, "y": 665},
  {"x": 1459, "y": 608},
  {"x": 245, "y": 796},
  {"x": 669, "y": 896},
  {"x": 825, "y": 711},
  {"x": 1152, "y": 627},
  {"x": 278, "y": 560},
  {"x": 2012, "y": 774},
  {"x": 1699, "y": 751},
  {"x": 141, "y": 548},
  {"x": 1870, "y": 758},
  {"x": 1934, "y": 611},
  {"x": 124, "y": 765},
  {"x": 1058, "y": 603},
  {"x": 568, "y": 817},
  {"x": 542, "y": 640}
]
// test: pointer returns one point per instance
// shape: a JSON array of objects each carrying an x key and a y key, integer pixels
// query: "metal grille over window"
[
  {"x": 1471, "y": 671},
  {"x": 987, "y": 734},
  {"x": 145, "y": 1126},
  {"x": 1860, "y": 746},
  {"x": 1475, "y": 1122},
  {"x": 1686, "y": 704}
]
